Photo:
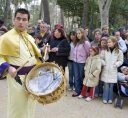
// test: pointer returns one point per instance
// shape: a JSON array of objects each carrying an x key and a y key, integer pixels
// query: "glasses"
[{"x": 19, "y": 19}]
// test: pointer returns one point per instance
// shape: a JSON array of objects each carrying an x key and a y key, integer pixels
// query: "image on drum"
[{"x": 45, "y": 81}]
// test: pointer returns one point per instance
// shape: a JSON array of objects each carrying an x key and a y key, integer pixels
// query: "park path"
[{"x": 69, "y": 107}]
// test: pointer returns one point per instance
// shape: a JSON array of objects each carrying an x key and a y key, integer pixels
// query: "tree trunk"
[
  {"x": 6, "y": 11},
  {"x": 72, "y": 22},
  {"x": 85, "y": 14},
  {"x": 46, "y": 11},
  {"x": 104, "y": 6},
  {"x": 41, "y": 10},
  {"x": 62, "y": 16}
]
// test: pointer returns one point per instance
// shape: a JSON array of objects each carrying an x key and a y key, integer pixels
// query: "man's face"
[
  {"x": 21, "y": 21},
  {"x": 117, "y": 34}
]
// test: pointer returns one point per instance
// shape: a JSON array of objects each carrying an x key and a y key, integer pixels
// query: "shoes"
[
  {"x": 96, "y": 95},
  {"x": 80, "y": 96},
  {"x": 105, "y": 102},
  {"x": 73, "y": 89},
  {"x": 88, "y": 99},
  {"x": 70, "y": 89},
  {"x": 100, "y": 95},
  {"x": 75, "y": 95},
  {"x": 110, "y": 101}
]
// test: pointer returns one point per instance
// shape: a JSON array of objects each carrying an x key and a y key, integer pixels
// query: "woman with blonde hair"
[{"x": 112, "y": 58}]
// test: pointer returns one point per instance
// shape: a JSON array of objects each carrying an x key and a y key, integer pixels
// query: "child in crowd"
[
  {"x": 123, "y": 75},
  {"x": 102, "y": 47},
  {"x": 103, "y": 43},
  {"x": 92, "y": 72},
  {"x": 112, "y": 58},
  {"x": 72, "y": 41}
]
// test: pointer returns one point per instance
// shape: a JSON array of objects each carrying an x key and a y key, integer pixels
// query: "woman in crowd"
[
  {"x": 59, "y": 48},
  {"x": 73, "y": 41},
  {"x": 80, "y": 53}
]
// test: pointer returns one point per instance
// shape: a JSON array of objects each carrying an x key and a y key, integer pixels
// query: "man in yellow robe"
[{"x": 16, "y": 48}]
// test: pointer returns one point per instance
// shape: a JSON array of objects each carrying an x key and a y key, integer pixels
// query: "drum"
[{"x": 46, "y": 83}]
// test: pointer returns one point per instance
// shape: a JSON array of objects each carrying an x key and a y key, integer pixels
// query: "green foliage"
[
  {"x": 8, "y": 16},
  {"x": 118, "y": 13},
  {"x": 34, "y": 11},
  {"x": 72, "y": 7}
]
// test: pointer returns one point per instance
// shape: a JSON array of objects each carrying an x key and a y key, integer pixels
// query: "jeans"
[
  {"x": 108, "y": 91},
  {"x": 99, "y": 89},
  {"x": 78, "y": 76},
  {"x": 71, "y": 74}
]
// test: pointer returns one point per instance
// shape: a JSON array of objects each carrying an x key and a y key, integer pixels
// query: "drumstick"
[
  {"x": 22, "y": 66},
  {"x": 17, "y": 78},
  {"x": 45, "y": 52}
]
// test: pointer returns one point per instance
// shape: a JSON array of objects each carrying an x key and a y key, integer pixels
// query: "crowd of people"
[{"x": 94, "y": 66}]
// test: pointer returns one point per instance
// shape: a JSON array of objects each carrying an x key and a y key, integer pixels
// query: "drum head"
[{"x": 44, "y": 79}]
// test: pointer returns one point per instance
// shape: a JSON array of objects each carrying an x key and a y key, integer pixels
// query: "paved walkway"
[{"x": 69, "y": 107}]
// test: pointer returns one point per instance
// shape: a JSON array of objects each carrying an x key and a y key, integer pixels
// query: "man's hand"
[{"x": 12, "y": 71}]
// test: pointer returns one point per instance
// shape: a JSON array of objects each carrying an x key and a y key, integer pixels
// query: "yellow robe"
[{"x": 20, "y": 105}]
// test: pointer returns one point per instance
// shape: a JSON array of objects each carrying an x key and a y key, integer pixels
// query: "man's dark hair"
[{"x": 22, "y": 11}]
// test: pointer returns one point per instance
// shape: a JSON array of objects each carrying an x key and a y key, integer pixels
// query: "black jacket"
[{"x": 60, "y": 57}]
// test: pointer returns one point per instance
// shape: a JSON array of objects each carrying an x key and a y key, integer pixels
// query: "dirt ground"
[{"x": 69, "y": 107}]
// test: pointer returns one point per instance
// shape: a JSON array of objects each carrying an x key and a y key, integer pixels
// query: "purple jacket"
[{"x": 81, "y": 52}]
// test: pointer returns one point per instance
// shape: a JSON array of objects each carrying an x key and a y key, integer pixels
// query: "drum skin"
[{"x": 50, "y": 97}]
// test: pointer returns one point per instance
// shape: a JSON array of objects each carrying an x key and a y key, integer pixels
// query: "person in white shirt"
[{"x": 121, "y": 42}]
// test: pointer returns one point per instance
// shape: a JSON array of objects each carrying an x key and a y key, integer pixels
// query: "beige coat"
[
  {"x": 110, "y": 62},
  {"x": 92, "y": 71}
]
